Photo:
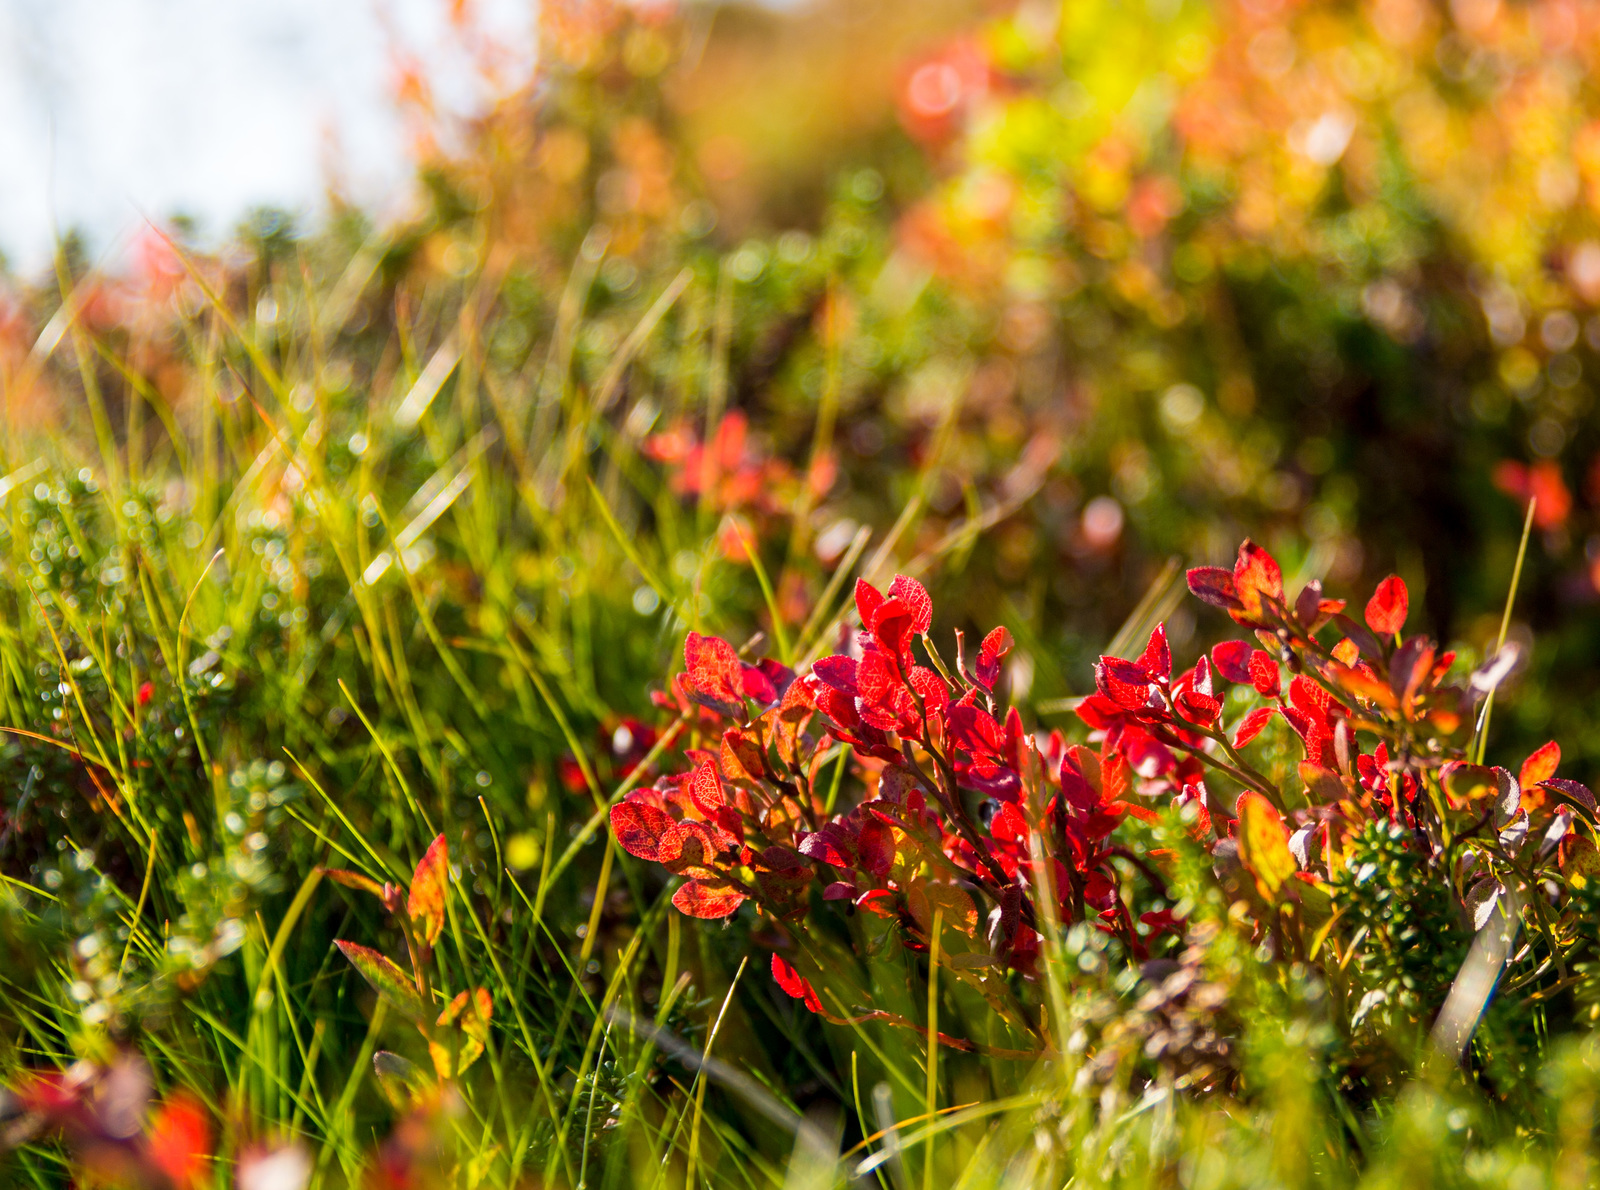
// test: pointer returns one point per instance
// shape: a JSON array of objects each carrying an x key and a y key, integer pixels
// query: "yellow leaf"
[
  {"x": 1264, "y": 844},
  {"x": 465, "y": 1025},
  {"x": 925, "y": 897}
]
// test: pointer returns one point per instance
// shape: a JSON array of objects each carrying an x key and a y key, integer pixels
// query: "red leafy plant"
[
  {"x": 965, "y": 808},
  {"x": 1342, "y": 687},
  {"x": 457, "y": 1034},
  {"x": 731, "y": 473}
]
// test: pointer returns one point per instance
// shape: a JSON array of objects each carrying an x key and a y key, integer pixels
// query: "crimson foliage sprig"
[{"x": 969, "y": 816}]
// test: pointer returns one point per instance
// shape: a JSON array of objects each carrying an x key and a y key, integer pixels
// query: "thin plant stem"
[{"x": 1505, "y": 625}]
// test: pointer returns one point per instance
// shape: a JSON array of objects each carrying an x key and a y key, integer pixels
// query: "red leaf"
[
  {"x": 1214, "y": 585},
  {"x": 1264, "y": 674},
  {"x": 880, "y": 687},
  {"x": 1156, "y": 660},
  {"x": 1410, "y": 666},
  {"x": 705, "y": 789},
  {"x": 639, "y": 827},
  {"x": 1386, "y": 610},
  {"x": 838, "y": 673},
  {"x": 792, "y": 982},
  {"x": 1014, "y": 736},
  {"x": 1008, "y": 824},
  {"x": 428, "y": 884},
  {"x": 1116, "y": 778},
  {"x": 1252, "y": 724},
  {"x": 868, "y": 599},
  {"x": 755, "y": 684},
  {"x": 1308, "y": 604},
  {"x": 1541, "y": 766},
  {"x": 1075, "y": 786},
  {"x": 930, "y": 687},
  {"x": 1575, "y": 792},
  {"x": 1232, "y": 659},
  {"x": 715, "y": 676},
  {"x": 875, "y": 848},
  {"x": 700, "y": 899},
  {"x": 892, "y": 625},
  {"x": 180, "y": 1141},
  {"x": 830, "y": 845},
  {"x": 912, "y": 593},
  {"x": 994, "y": 647},
  {"x": 876, "y": 900},
  {"x": 975, "y": 730},
  {"x": 1198, "y": 708},
  {"x": 1123, "y": 682},
  {"x": 768, "y": 674},
  {"x": 841, "y": 708}
]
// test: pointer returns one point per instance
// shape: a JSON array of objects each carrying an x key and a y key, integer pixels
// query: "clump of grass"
[{"x": 361, "y": 575}]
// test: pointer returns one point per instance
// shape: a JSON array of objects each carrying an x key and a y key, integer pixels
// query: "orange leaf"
[
  {"x": 705, "y": 788},
  {"x": 474, "y": 1018},
  {"x": 741, "y": 757},
  {"x": 714, "y": 674},
  {"x": 1323, "y": 784},
  {"x": 688, "y": 849},
  {"x": 697, "y": 898},
  {"x": 1387, "y": 609},
  {"x": 1264, "y": 843},
  {"x": 180, "y": 1141},
  {"x": 354, "y": 880},
  {"x": 1363, "y": 685},
  {"x": 1256, "y": 579},
  {"x": 428, "y": 884},
  {"x": 1541, "y": 766},
  {"x": 639, "y": 828}
]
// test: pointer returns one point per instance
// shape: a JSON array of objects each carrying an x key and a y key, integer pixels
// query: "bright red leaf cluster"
[{"x": 969, "y": 814}]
